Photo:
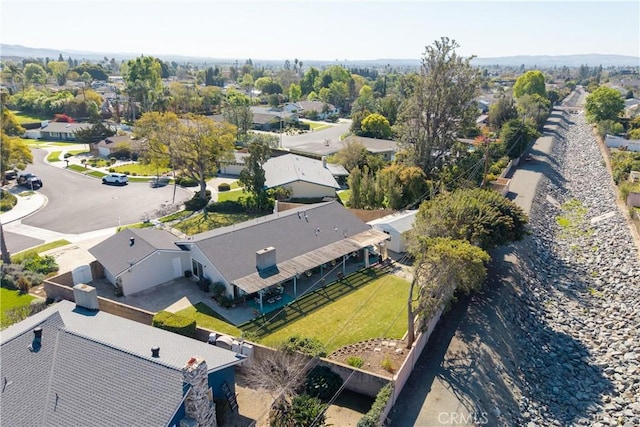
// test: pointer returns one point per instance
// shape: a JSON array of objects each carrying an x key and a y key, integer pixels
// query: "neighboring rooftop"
[{"x": 290, "y": 168}]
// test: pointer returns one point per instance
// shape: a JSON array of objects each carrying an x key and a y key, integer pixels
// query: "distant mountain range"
[{"x": 19, "y": 52}]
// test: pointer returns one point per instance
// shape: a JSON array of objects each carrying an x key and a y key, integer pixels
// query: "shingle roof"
[
  {"x": 233, "y": 249},
  {"x": 117, "y": 254},
  {"x": 291, "y": 168},
  {"x": 95, "y": 369},
  {"x": 314, "y": 106},
  {"x": 373, "y": 145},
  {"x": 64, "y": 127}
]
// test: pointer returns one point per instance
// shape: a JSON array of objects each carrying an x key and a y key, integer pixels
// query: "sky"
[{"x": 323, "y": 30}]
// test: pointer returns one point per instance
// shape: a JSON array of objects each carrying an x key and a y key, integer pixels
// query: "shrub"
[
  {"x": 387, "y": 365},
  {"x": 224, "y": 187},
  {"x": 37, "y": 264},
  {"x": 322, "y": 382},
  {"x": 355, "y": 361},
  {"x": 217, "y": 289},
  {"x": 7, "y": 201},
  {"x": 204, "y": 284},
  {"x": 67, "y": 155},
  {"x": 308, "y": 346},
  {"x": 196, "y": 203},
  {"x": 13, "y": 272},
  {"x": 372, "y": 418},
  {"x": 112, "y": 170},
  {"x": 186, "y": 181},
  {"x": 228, "y": 206},
  {"x": 175, "y": 323}
]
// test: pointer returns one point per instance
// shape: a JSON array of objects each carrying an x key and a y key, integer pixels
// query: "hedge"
[
  {"x": 175, "y": 323},
  {"x": 372, "y": 418},
  {"x": 224, "y": 187}
]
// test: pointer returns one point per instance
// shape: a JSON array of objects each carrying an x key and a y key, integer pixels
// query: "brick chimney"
[{"x": 199, "y": 405}]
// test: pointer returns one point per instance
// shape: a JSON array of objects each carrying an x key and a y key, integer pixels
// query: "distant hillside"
[
  {"x": 18, "y": 52},
  {"x": 561, "y": 60}
]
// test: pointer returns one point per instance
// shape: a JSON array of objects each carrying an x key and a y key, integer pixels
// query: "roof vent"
[
  {"x": 155, "y": 351},
  {"x": 132, "y": 241},
  {"x": 37, "y": 332}
]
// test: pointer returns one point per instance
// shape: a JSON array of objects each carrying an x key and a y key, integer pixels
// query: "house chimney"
[
  {"x": 198, "y": 403},
  {"x": 132, "y": 241},
  {"x": 37, "y": 332},
  {"x": 86, "y": 296},
  {"x": 155, "y": 351},
  {"x": 266, "y": 258}
]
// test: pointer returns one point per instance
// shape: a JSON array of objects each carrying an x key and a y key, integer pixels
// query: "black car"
[{"x": 29, "y": 180}]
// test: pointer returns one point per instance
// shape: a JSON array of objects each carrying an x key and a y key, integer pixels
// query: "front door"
[{"x": 197, "y": 268}]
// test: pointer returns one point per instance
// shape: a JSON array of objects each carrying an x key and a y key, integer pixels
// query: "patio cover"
[{"x": 288, "y": 269}]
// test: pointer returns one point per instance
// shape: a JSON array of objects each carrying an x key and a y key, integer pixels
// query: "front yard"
[{"x": 10, "y": 299}]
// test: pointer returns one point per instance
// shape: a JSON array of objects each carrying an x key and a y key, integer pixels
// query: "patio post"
[
  {"x": 260, "y": 293},
  {"x": 344, "y": 264},
  {"x": 295, "y": 286},
  {"x": 366, "y": 257}
]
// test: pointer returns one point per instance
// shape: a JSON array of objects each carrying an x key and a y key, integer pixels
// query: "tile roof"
[
  {"x": 292, "y": 233},
  {"x": 292, "y": 168},
  {"x": 117, "y": 254},
  {"x": 95, "y": 369}
]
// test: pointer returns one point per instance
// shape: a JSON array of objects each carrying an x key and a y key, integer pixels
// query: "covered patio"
[{"x": 280, "y": 284}]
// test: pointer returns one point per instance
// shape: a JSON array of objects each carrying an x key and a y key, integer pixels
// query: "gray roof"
[
  {"x": 117, "y": 254},
  {"x": 113, "y": 141},
  {"x": 314, "y": 106},
  {"x": 290, "y": 168},
  {"x": 64, "y": 127},
  {"x": 337, "y": 170},
  {"x": 92, "y": 370},
  {"x": 292, "y": 233},
  {"x": 373, "y": 145},
  {"x": 399, "y": 221}
]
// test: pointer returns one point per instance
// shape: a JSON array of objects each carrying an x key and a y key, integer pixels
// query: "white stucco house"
[
  {"x": 138, "y": 259},
  {"x": 305, "y": 177},
  {"x": 395, "y": 225}
]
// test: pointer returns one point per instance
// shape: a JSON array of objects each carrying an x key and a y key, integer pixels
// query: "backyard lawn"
[
  {"x": 357, "y": 308},
  {"x": 207, "y": 318},
  {"x": 11, "y": 299},
  {"x": 233, "y": 195}
]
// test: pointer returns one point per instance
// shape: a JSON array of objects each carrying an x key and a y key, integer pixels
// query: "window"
[{"x": 197, "y": 268}]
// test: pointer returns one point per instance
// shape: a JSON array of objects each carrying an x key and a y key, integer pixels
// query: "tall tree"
[
  {"x": 534, "y": 107},
  {"x": 34, "y": 74},
  {"x": 442, "y": 266},
  {"x": 604, "y": 103},
  {"x": 143, "y": 79},
  {"x": 530, "y": 83},
  {"x": 59, "y": 71},
  {"x": 253, "y": 176},
  {"x": 502, "y": 110},
  {"x": 237, "y": 111},
  {"x": 201, "y": 144},
  {"x": 376, "y": 126},
  {"x": 482, "y": 217},
  {"x": 440, "y": 105}
]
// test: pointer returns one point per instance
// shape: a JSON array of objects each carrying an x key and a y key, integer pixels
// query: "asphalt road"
[{"x": 78, "y": 203}]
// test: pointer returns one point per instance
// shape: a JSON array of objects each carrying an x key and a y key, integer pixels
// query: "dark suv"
[{"x": 29, "y": 180}]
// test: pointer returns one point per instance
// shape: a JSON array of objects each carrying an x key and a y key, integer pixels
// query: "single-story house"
[
  {"x": 317, "y": 109},
  {"x": 138, "y": 259},
  {"x": 56, "y": 131},
  {"x": 621, "y": 143},
  {"x": 631, "y": 107},
  {"x": 73, "y": 365},
  {"x": 305, "y": 177},
  {"x": 258, "y": 254},
  {"x": 395, "y": 226},
  {"x": 384, "y": 148},
  {"x": 113, "y": 144},
  {"x": 634, "y": 176},
  {"x": 235, "y": 166},
  {"x": 271, "y": 119},
  {"x": 247, "y": 258}
]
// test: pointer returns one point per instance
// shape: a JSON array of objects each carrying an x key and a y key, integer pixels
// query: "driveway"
[{"x": 77, "y": 203}]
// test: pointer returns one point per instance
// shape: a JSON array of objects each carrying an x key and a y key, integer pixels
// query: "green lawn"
[
  {"x": 362, "y": 306},
  {"x": 344, "y": 196},
  {"x": 54, "y": 156},
  {"x": 236, "y": 184},
  {"x": 140, "y": 169},
  {"x": 366, "y": 304},
  {"x": 233, "y": 195},
  {"x": 76, "y": 152},
  {"x": 198, "y": 223},
  {"x": 316, "y": 126},
  {"x": 78, "y": 168},
  {"x": 24, "y": 117},
  {"x": 17, "y": 258},
  {"x": 11, "y": 299},
  {"x": 209, "y": 319}
]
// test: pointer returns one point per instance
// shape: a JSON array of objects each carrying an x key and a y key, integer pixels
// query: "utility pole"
[{"x": 486, "y": 162}]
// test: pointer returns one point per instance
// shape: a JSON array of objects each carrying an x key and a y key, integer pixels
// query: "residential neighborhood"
[{"x": 437, "y": 241}]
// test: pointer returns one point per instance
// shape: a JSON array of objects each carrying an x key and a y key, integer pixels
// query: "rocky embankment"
[{"x": 578, "y": 317}]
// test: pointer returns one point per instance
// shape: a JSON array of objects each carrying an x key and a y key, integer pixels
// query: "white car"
[{"x": 115, "y": 178}]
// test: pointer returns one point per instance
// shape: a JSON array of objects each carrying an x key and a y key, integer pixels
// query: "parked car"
[
  {"x": 9, "y": 175},
  {"x": 115, "y": 178},
  {"x": 29, "y": 180}
]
